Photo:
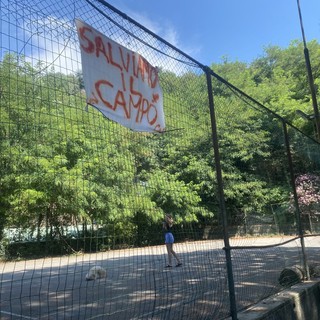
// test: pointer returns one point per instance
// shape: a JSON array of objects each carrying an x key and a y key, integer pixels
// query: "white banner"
[{"x": 122, "y": 84}]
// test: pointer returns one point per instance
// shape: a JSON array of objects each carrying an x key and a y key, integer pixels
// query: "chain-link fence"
[{"x": 79, "y": 190}]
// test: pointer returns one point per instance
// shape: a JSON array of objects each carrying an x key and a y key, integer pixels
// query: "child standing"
[{"x": 169, "y": 240}]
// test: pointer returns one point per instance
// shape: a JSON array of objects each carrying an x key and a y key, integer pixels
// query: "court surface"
[{"x": 139, "y": 287}]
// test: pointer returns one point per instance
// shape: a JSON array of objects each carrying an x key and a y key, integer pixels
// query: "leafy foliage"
[{"x": 62, "y": 165}]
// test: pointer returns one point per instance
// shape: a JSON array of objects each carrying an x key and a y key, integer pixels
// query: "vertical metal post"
[
  {"x": 223, "y": 213},
  {"x": 310, "y": 77},
  {"x": 296, "y": 202}
]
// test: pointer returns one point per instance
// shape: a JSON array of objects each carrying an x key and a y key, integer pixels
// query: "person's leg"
[
  {"x": 169, "y": 249},
  {"x": 175, "y": 255}
]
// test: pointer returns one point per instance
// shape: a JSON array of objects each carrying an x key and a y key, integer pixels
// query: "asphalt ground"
[{"x": 138, "y": 286}]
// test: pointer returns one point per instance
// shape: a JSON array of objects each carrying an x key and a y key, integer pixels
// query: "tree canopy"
[{"x": 62, "y": 163}]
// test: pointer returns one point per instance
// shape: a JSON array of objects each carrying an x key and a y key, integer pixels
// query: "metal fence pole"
[
  {"x": 310, "y": 77},
  {"x": 223, "y": 213},
  {"x": 295, "y": 196}
]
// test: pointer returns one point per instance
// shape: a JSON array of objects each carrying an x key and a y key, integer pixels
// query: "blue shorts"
[{"x": 169, "y": 237}]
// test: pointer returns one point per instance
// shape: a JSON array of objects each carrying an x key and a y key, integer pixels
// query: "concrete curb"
[{"x": 300, "y": 302}]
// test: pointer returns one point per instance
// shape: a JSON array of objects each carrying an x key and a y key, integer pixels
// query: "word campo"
[{"x": 131, "y": 69}]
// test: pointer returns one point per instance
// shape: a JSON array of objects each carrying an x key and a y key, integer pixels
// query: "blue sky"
[{"x": 208, "y": 30}]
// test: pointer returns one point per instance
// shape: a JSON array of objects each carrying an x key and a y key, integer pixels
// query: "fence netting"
[{"x": 80, "y": 191}]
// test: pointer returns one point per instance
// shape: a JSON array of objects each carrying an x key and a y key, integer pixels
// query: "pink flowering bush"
[{"x": 308, "y": 192}]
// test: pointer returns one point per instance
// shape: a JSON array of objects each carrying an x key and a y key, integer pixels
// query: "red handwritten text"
[{"x": 132, "y": 70}]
